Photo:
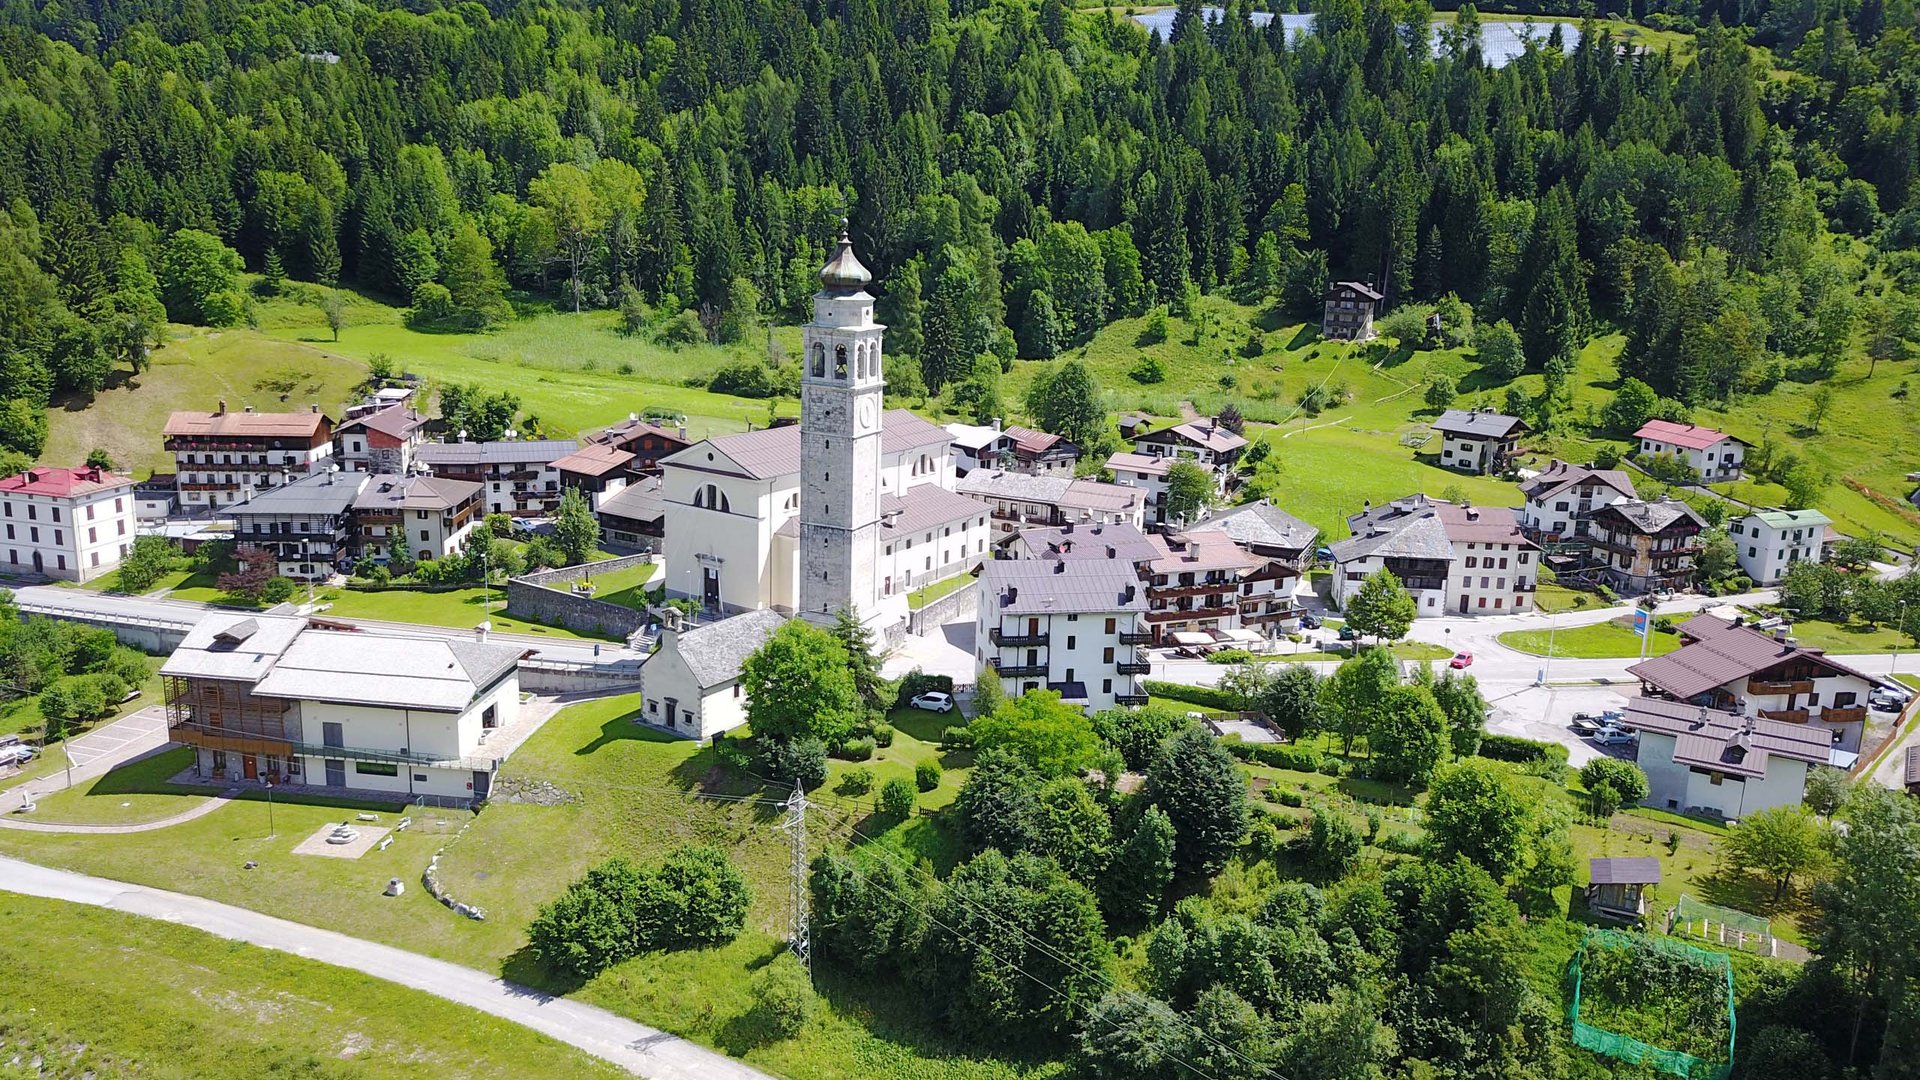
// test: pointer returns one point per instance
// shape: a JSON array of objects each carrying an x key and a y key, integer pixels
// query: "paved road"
[
  {"x": 639, "y": 1049},
  {"x": 166, "y": 610}
]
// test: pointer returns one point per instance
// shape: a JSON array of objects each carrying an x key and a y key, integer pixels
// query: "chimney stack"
[
  {"x": 1060, "y": 566},
  {"x": 1013, "y": 593},
  {"x": 313, "y": 407},
  {"x": 481, "y": 630},
  {"x": 222, "y": 410},
  {"x": 246, "y": 408}
]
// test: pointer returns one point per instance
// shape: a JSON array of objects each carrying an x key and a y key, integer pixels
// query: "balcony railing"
[
  {"x": 1136, "y": 637},
  {"x": 1129, "y": 699},
  {"x": 1019, "y": 671},
  {"x": 1757, "y": 688},
  {"x": 224, "y": 738},
  {"x": 1203, "y": 589},
  {"x": 1133, "y": 667},
  {"x": 1843, "y": 716},
  {"x": 1785, "y": 716},
  {"x": 1017, "y": 641},
  {"x": 1188, "y": 614}
]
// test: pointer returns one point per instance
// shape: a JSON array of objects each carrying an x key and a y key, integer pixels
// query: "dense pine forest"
[{"x": 1744, "y": 208}]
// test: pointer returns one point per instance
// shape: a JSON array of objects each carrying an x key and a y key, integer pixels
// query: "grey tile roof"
[
  {"x": 388, "y": 671},
  {"x": 1261, "y": 524},
  {"x": 1721, "y": 741},
  {"x": 503, "y": 452},
  {"x": 1049, "y": 586},
  {"x": 1636, "y": 871},
  {"x": 1479, "y": 424},
  {"x": 1650, "y": 518},
  {"x": 1120, "y": 541},
  {"x": 205, "y": 653},
  {"x": 319, "y": 495},
  {"x": 641, "y": 500},
  {"x": 772, "y": 452},
  {"x": 925, "y": 506},
  {"x": 1408, "y": 528},
  {"x": 1199, "y": 553},
  {"x": 385, "y": 491},
  {"x": 1562, "y": 475},
  {"x": 714, "y": 652}
]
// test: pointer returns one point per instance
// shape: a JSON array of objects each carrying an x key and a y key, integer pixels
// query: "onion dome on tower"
[{"x": 844, "y": 275}]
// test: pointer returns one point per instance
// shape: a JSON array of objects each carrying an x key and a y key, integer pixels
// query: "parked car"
[
  {"x": 933, "y": 701},
  {"x": 17, "y": 754},
  {"x": 1348, "y": 633},
  {"x": 1309, "y": 621},
  {"x": 1887, "y": 699},
  {"x": 1461, "y": 659},
  {"x": 1614, "y": 737},
  {"x": 1585, "y": 725}
]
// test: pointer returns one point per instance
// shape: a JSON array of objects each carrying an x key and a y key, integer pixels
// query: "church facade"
[{"x": 852, "y": 508}]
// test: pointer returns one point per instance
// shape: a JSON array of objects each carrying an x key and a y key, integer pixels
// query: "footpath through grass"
[{"x": 90, "y": 992}]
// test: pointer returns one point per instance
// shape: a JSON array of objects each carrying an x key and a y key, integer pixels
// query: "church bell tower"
[{"x": 841, "y": 390}]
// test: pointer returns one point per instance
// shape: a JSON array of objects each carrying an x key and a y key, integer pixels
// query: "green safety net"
[{"x": 1626, "y": 1048}]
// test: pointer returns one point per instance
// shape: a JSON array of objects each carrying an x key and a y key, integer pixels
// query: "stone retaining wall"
[
  {"x": 956, "y": 605},
  {"x": 535, "y": 598}
]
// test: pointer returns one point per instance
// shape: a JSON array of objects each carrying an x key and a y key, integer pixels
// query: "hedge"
[
  {"x": 1522, "y": 751},
  {"x": 1277, "y": 755},
  {"x": 1207, "y": 697}
]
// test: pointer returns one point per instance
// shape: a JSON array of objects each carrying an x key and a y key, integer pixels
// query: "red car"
[{"x": 1460, "y": 660}]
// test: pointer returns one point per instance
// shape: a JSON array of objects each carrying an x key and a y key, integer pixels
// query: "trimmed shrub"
[
  {"x": 883, "y": 735},
  {"x": 804, "y": 760},
  {"x": 926, "y": 775},
  {"x": 1522, "y": 751},
  {"x": 956, "y": 737},
  {"x": 855, "y": 750},
  {"x": 1207, "y": 697},
  {"x": 1277, "y": 755},
  {"x": 1229, "y": 656},
  {"x": 277, "y": 590},
  {"x": 856, "y": 782},
  {"x": 897, "y": 799}
]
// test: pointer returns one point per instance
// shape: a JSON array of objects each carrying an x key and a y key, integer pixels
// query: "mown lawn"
[
  {"x": 133, "y": 794},
  {"x": 630, "y": 791},
  {"x": 1852, "y": 636},
  {"x": 450, "y": 607},
  {"x": 1599, "y": 641},
  {"x": 927, "y": 594},
  {"x": 92, "y": 992}
]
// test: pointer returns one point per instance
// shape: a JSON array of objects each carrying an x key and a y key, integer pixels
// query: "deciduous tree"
[{"x": 798, "y": 686}]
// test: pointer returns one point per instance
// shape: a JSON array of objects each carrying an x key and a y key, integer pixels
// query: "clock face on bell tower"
[{"x": 866, "y": 416}]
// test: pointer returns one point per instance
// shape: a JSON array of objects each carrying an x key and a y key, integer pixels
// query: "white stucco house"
[
  {"x": 1703, "y": 760},
  {"x": 1715, "y": 455},
  {"x": 691, "y": 684},
  {"x": 1453, "y": 559},
  {"x": 268, "y": 698},
  {"x": 68, "y": 523},
  {"x": 1560, "y": 497},
  {"x": 1070, "y": 625},
  {"x": 1768, "y": 541}
]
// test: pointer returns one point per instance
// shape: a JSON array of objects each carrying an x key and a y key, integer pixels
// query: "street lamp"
[
  {"x": 270, "y": 832},
  {"x": 1899, "y": 627}
]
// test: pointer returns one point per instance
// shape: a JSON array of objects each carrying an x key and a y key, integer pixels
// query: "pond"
[{"x": 1500, "y": 41}]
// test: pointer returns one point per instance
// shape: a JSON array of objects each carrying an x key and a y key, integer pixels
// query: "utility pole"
[{"x": 796, "y": 829}]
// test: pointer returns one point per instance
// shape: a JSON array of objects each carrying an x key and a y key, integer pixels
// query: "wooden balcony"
[
  {"x": 1202, "y": 589},
  {"x": 1133, "y": 667},
  {"x": 1017, "y": 641},
  {"x": 1757, "y": 688},
  {"x": 1784, "y": 716},
  {"x": 1843, "y": 716},
  {"x": 1019, "y": 671},
  {"x": 1129, "y": 699},
  {"x": 1136, "y": 637},
  {"x": 1188, "y": 614}
]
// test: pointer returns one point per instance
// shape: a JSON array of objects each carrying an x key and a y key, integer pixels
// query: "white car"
[
  {"x": 1613, "y": 737},
  {"x": 933, "y": 701},
  {"x": 17, "y": 754}
]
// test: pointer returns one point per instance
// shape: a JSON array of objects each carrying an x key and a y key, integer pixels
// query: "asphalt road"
[
  {"x": 639, "y": 1049},
  {"x": 164, "y": 610}
]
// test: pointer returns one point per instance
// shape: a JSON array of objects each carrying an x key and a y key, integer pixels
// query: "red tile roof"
[
  {"x": 247, "y": 424},
  {"x": 1691, "y": 436},
  {"x": 63, "y": 482}
]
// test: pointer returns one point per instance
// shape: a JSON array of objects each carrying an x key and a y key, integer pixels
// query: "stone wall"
[
  {"x": 956, "y": 605},
  {"x": 542, "y": 597}
]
